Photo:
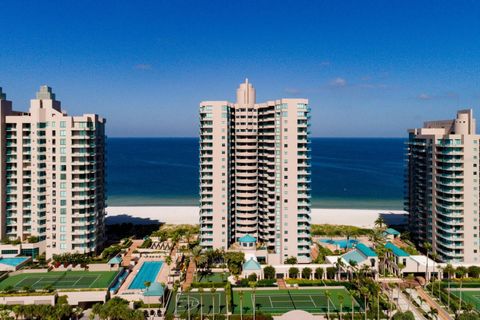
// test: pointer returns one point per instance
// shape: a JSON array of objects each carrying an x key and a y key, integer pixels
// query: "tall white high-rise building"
[
  {"x": 443, "y": 187},
  {"x": 53, "y": 176},
  {"x": 255, "y": 174}
]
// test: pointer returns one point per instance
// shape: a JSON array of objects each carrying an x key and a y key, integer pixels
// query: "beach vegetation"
[{"x": 329, "y": 230}]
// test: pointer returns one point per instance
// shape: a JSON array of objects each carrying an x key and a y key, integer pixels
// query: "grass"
[
  {"x": 198, "y": 302},
  {"x": 469, "y": 296},
  {"x": 329, "y": 230},
  {"x": 60, "y": 280},
  {"x": 212, "y": 277},
  {"x": 281, "y": 301}
]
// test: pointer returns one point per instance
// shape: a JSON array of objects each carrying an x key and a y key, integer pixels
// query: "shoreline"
[{"x": 364, "y": 218}]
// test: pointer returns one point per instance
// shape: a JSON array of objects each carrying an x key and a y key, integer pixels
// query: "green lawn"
[
  {"x": 212, "y": 277},
  {"x": 470, "y": 296},
  {"x": 281, "y": 301},
  {"x": 60, "y": 280},
  {"x": 199, "y": 302}
]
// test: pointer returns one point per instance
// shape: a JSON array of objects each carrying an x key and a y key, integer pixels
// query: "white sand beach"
[{"x": 189, "y": 215}]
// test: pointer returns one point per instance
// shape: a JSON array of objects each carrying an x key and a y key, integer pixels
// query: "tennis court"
[
  {"x": 60, "y": 280},
  {"x": 469, "y": 296},
  {"x": 205, "y": 302},
  {"x": 281, "y": 301}
]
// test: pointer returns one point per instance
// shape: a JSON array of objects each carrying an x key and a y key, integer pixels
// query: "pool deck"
[{"x": 162, "y": 276}]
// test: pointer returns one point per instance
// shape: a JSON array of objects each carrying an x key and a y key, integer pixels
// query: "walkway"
[
  {"x": 442, "y": 314},
  {"x": 128, "y": 256},
  {"x": 404, "y": 304},
  {"x": 190, "y": 275},
  {"x": 281, "y": 284}
]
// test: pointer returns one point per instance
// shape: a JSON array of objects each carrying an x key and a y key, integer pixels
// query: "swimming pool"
[
  {"x": 148, "y": 272},
  {"x": 15, "y": 261},
  {"x": 341, "y": 243}
]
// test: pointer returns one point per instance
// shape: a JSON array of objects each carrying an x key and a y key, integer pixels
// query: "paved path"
[
  {"x": 190, "y": 274},
  {"x": 281, "y": 284},
  {"x": 404, "y": 304},
  {"x": 442, "y": 314},
  {"x": 128, "y": 256}
]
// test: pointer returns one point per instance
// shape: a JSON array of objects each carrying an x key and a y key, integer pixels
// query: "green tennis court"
[
  {"x": 281, "y": 301},
  {"x": 60, "y": 280},
  {"x": 469, "y": 296},
  {"x": 205, "y": 302}
]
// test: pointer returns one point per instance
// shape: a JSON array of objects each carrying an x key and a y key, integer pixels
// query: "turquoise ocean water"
[{"x": 363, "y": 173}]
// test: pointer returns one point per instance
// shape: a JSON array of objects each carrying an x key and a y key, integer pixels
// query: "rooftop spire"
[
  {"x": 3, "y": 96},
  {"x": 45, "y": 93},
  {"x": 246, "y": 93}
]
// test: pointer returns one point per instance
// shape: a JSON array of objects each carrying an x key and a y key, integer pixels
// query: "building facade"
[
  {"x": 442, "y": 187},
  {"x": 53, "y": 176},
  {"x": 255, "y": 174}
]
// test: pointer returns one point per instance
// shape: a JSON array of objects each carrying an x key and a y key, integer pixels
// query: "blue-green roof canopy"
[
  {"x": 396, "y": 250},
  {"x": 115, "y": 260},
  {"x": 155, "y": 289},
  {"x": 251, "y": 265},
  {"x": 392, "y": 232},
  {"x": 247, "y": 238},
  {"x": 367, "y": 251}
]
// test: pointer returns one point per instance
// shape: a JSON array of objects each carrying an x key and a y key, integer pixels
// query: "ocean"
[{"x": 359, "y": 173}]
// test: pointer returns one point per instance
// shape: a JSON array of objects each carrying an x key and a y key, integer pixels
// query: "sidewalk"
[
  {"x": 442, "y": 314},
  {"x": 405, "y": 305}
]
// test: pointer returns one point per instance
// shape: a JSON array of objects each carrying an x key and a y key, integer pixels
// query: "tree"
[
  {"x": 240, "y": 297},
  {"x": 187, "y": 292},
  {"x": 253, "y": 286},
  {"x": 408, "y": 315},
  {"x": 433, "y": 313},
  {"x": 234, "y": 261},
  {"x": 200, "y": 291},
  {"x": 252, "y": 277},
  {"x": 460, "y": 273},
  {"x": 380, "y": 222},
  {"x": 269, "y": 272},
  {"x": 365, "y": 293},
  {"x": 293, "y": 272},
  {"x": 427, "y": 246},
  {"x": 291, "y": 260},
  {"x": 474, "y": 271},
  {"x": 328, "y": 295},
  {"x": 306, "y": 273},
  {"x": 341, "y": 299},
  {"x": 318, "y": 273},
  {"x": 213, "y": 290}
]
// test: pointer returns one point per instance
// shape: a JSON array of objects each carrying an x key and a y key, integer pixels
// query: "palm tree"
[
  {"x": 200, "y": 291},
  {"x": 147, "y": 285},
  {"x": 427, "y": 246},
  {"x": 449, "y": 269},
  {"x": 434, "y": 256},
  {"x": 187, "y": 291},
  {"x": 461, "y": 274},
  {"x": 240, "y": 296},
  {"x": 253, "y": 285},
  {"x": 365, "y": 292},
  {"x": 353, "y": 267},
  {"x": 339, "y": 266},
  {"x": 433, "y": 313},
  {"x": 213, "y": 290},
  {"x": 380, "y": 222},
  {"x": 341, "y": 299},
  {"x": 328, "y": 295}
]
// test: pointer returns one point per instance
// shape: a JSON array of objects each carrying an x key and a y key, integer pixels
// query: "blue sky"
[{"x": 369, "y": 68}]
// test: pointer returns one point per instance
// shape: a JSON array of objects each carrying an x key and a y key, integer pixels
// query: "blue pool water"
[
  {"x": 13, "y": 261},
  {"x": 148, "y": 272},
  {"x": 341, "y": 243}
]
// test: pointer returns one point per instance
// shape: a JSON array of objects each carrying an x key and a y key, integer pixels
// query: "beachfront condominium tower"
[
  {"x": 53, "y": 176},
  {"x": 442, "y": 196},
  {"x": 255, "y": 174}
]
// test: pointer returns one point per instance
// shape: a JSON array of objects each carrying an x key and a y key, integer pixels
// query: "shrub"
[
  {"x": 319, "y": 273},
  {"x": 252, "y": 277},
  {"x": 306, "y": 273}
]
